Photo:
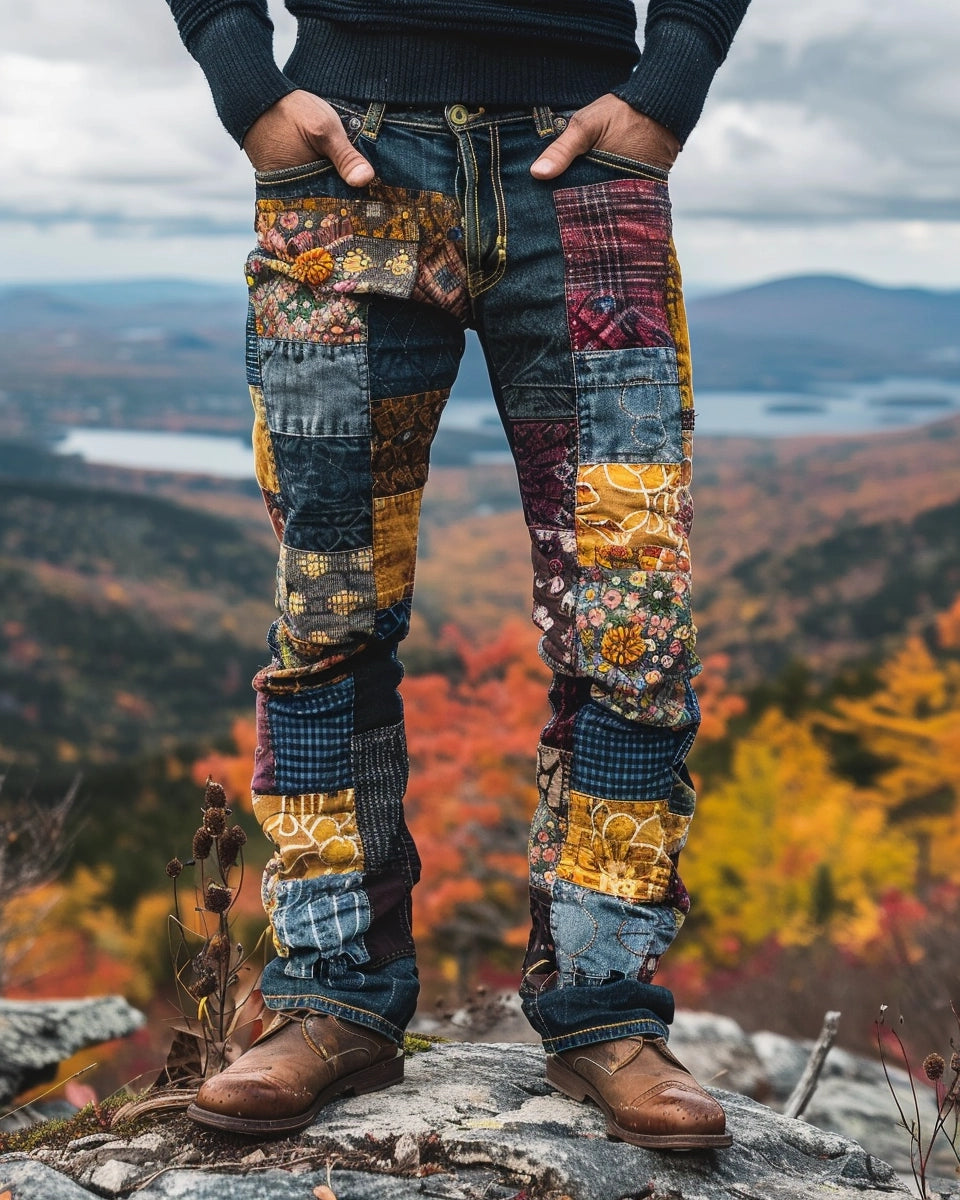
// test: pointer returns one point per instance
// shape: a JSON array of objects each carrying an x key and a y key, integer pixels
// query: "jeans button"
[{"x": 458, "y": 114}]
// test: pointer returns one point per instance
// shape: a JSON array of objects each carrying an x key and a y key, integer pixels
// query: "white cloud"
[{"x": 831, "y": 120}]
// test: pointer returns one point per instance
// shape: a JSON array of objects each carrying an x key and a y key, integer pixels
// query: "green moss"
[
  {"x": 417, "y": 1043},
  {"x": 59, "y": 1133}
]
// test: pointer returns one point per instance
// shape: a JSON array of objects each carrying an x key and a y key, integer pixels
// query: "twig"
[{"x": 807, "y": 1084}]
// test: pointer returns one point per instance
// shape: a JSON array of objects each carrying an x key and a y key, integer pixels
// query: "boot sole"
[
  {"x": 571, "y": 1084},
  {"x": 370, "y": 1079}
]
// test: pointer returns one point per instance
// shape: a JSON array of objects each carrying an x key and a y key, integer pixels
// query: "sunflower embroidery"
[
  {"x": 313, "y": 266},
  {"x": 623, "y": 645}
]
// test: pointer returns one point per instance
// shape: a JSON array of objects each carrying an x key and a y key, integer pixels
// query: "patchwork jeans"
[{"x": 358, "y": 302}]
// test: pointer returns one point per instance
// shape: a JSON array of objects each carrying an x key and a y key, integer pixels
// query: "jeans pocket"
[
  {"x": 352, "y": 121},
  {"x": 633, "y": 167}
]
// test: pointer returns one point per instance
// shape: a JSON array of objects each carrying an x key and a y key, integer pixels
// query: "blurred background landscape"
[{"x": 136, "y": 563}]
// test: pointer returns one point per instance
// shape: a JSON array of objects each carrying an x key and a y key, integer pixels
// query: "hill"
[
  {"x": 792, "y": 334},
  {"x": 167, "y": 354}
]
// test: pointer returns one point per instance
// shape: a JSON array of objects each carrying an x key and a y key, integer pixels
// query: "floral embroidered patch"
[{"x": 622, "y": 848}]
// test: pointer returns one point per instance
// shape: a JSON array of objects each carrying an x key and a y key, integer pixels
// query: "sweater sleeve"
[
  {"x": 232, "y": 40},
  {"x": 685, "y": 41}
]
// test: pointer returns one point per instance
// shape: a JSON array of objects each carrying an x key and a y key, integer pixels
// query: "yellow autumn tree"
[
  {"x": 911, "y": 726},
  {"x": 784, "y": 849}
]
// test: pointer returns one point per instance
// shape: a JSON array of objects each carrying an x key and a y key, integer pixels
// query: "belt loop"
[
  {"x": 373, "y": 119},
  {"x": 543, "y": 119}
]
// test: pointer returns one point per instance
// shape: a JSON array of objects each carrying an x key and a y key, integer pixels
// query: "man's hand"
[
  {"x": 300, "y": 128},
  {"x": 610, "y": 124}
]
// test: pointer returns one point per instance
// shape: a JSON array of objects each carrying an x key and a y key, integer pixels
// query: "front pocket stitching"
[{"x": 634, "y": 166}]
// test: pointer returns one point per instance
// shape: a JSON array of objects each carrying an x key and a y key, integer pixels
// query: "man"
[{"x": 421, "y": 169}]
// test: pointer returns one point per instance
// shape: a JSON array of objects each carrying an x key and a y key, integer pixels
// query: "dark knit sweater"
[{"x": 563, "y": 53}]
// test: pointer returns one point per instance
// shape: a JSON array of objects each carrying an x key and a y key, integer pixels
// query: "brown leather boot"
[
  {"x": 648, "y": 1097},
  {"x": 300, "y": 1063}
]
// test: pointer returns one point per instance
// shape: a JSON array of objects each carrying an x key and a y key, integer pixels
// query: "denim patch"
[
  {"x": 326, "y": 487},
  {"x": 620, "y": 759},
  {"x": 599, "y": 937},
  {"x": 628, "y": 402},
  {"x": 412, "y": 349},
  {"x": 380, "y": 771},
  {"x": 546, "y": 457},
  {"x": 326, "y": 599},
  {"x": 323, "y": 917},
  {"x": 312, "y": 390},
  {"x": 539, "y": 401},
  {"x": 310, "y": 734},
  {"x": 393, "y": 623},
  {"x": 252, "y": 349}
]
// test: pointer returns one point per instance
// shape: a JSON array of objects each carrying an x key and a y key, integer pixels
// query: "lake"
[{"x": 843, "y": 409}]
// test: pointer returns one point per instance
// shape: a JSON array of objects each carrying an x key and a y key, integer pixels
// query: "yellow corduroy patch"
[
  {"x": 625, "y": 504},
  {"x": 396, "y": 520},
  {"x": 677, "y": 320},
  {"x": 264, "y": 463},
  {"x": 315, "y": 834},
  {"x": 621, "y": 847}
]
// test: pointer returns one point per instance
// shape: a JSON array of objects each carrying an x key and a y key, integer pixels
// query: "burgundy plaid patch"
[{"x": 616, "y": 243}]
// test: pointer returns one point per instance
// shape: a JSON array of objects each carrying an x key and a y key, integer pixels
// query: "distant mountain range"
[{"x": 152, "y": 351}]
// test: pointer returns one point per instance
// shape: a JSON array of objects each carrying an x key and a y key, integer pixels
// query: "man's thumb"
[
  {"x": 560, "y": 154},
  {"x": 350, "y": 164}
]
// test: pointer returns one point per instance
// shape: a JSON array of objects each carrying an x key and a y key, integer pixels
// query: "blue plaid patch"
[
  {"x": 624, "y": 760},
  {"x": 310, "y": 734}
]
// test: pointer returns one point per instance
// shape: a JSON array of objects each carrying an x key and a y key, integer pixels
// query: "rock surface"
[
  {"x": 37, "y": 1035},
  {"x": 469, "y": 1121}
]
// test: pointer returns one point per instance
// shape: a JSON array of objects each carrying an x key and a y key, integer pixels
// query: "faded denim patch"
[
  {"x": 599, "y": 937},
  {"x": 320, "y": 918},
  {"x": 628, "y": 403},
  {"x": 313, "y": 390}
]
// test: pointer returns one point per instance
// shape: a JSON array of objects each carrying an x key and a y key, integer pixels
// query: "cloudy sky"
[{"x": 831, "y": 142}]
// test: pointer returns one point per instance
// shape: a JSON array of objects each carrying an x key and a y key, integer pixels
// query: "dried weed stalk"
[
  {"x": 214, "y": 975},
  {"x": 942, "y": 1076}
]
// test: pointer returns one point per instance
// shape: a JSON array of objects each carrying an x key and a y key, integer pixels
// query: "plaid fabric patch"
[
  {"x": 622, "y": 760},
  {"x": 310, "y": 735},
  {"x": 616, "y": 246}
]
